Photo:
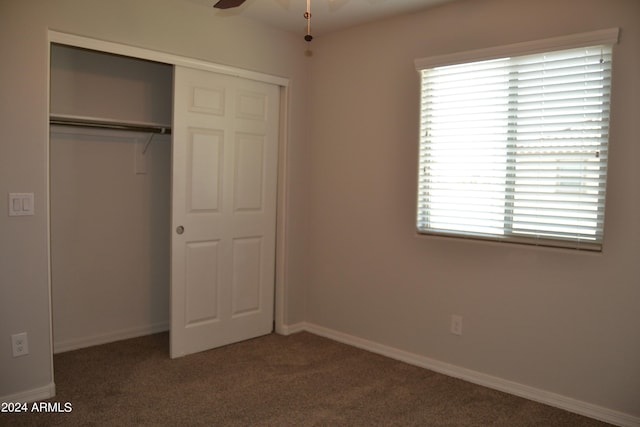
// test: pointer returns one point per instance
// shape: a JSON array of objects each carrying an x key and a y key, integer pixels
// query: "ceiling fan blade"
[{"x": 228, "y": 4}]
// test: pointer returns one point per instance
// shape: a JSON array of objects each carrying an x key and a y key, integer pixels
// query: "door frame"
[{"x": 56, "y": 37}]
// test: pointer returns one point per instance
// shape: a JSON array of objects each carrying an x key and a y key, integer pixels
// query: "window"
[{"x": 514, "y": 146}]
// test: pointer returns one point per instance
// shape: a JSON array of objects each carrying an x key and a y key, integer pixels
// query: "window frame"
[{"x": 600, "y": 37}]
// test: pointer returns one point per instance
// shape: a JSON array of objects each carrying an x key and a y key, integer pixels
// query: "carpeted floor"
[{"x": 298, "y": 380}]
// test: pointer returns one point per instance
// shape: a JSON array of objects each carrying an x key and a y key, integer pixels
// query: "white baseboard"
[
  {"x": 521, "y": 390},
  {"x": 291, "y": 329},
  {"x": 74, "y": 344},
  {"x": 40, "y": 393}
]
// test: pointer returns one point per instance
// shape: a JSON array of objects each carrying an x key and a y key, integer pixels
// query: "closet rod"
[{"x": 106, "y": 124}]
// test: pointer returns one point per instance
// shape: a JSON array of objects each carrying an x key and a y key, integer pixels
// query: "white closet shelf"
[{"x": 96, "y": 122}]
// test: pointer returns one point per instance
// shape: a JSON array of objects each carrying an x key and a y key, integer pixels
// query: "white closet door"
[{"x": 225, "y": 144}]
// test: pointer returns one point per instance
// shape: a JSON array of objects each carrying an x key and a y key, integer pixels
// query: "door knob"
[{"x": 180, "y": 229}]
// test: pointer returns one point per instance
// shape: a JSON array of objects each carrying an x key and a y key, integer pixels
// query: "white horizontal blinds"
[
  {"x": 516, "y": 148},
  {"x": 463, "y": 157},
  {"x": 560, "y": 144}
]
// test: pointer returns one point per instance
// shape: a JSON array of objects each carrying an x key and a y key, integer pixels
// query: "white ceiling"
[{"x": 326, "y": 15}]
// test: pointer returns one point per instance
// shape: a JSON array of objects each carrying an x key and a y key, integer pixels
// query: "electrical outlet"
[
  {"x": 20, "y": 344},
  {"x": 456, "y": 324}
]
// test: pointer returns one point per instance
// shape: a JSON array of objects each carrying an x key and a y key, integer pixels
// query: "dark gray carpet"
[{"x": 299, "y": 380}]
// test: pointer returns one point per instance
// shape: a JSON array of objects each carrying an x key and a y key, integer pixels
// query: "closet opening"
[{"x": 110, "y": 189}]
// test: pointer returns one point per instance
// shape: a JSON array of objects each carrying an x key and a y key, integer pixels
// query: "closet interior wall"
[{"x": 110, "y": 202}]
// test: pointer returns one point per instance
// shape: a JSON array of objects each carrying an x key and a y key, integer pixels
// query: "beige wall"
[
  {"x": 556, "y": 320},
  {"x": 150, "y": 24}
]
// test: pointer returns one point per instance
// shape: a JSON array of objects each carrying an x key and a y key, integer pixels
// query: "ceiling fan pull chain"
[{"x": 307, "y": 16}]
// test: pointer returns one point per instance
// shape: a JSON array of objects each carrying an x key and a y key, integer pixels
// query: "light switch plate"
[{"x": 21, "y": 204}]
